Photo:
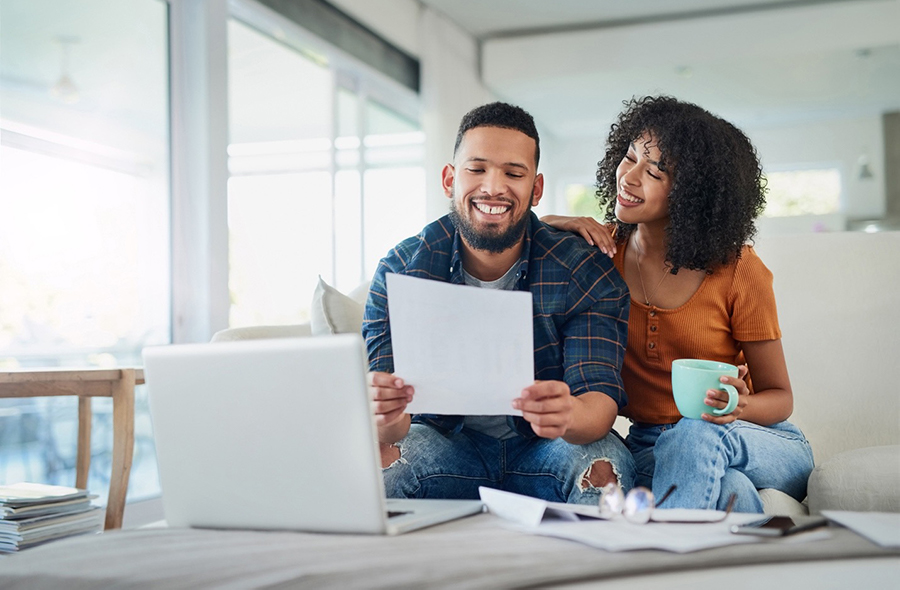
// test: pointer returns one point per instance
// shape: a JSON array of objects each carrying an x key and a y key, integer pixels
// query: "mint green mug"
[{"x": 691, "y": 378}]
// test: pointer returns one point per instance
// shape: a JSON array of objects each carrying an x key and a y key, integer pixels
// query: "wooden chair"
[{"x": 86, "y": 384}]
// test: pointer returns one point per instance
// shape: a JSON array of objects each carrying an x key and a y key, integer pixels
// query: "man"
[{"x": 559, "y": 449}]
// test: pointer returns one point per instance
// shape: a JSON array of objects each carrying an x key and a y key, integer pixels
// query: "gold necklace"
[{"x": 647, "y": 297}]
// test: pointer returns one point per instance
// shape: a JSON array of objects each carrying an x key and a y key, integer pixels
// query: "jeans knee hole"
[
  {"x": 390, "y": 455},
  {"x": 600, "y": 473}
]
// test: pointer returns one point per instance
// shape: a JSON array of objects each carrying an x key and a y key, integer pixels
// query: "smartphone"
[{"x": 780, "y": 526}]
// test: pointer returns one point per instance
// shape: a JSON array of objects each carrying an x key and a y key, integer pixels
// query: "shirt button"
[
  {"x": 652, "y": 313},
  {"x": 653, "y": 328},
  {"x": 652, "y": 345}
]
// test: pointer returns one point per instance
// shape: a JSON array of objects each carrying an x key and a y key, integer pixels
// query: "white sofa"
[
  {"x": 838, "y": 300},
  {"x": 839, "y": 310}
]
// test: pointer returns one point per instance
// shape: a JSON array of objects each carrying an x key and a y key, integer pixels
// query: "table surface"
[
  {"x": 56, "y": 374},
  {"x": 475, "y": 552}
]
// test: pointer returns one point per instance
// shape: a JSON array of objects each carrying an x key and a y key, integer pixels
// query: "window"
[
  {"x": 279, "y": 194},
  {"x": 325, "y": 177},
  {"x": 84, "y": 242},
  {"x": 393, "y": 182},
  {"x": 803, "y": 192},
  {"x": 581, "y": 200},
  {"x": 325, "y": 174}
]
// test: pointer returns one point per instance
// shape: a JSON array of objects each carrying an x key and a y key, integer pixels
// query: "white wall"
[
  {"x": 801, "y": 62},
  {"x": 833, "y": 142},
  {"x": 451, "y": 86},
  {"x": 763, "y": 35}
]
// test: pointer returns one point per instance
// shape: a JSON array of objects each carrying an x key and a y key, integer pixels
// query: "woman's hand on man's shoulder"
[{"x": 594, "y": 232}]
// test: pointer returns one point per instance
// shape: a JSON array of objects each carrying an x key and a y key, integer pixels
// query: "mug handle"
[{"x": 732, "y": 400}]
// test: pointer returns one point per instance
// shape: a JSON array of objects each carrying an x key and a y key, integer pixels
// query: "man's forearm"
[
  {"x": 393, "y": 432},
  {"x": 593, "y": 416}
]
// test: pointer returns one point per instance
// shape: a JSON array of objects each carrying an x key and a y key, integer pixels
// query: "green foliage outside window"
[
  {"x": 581, "y": 200},
  {"x": 803, "y": 192}
]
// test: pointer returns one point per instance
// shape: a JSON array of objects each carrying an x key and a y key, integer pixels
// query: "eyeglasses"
[
  {"x": 638, "y": 504},
  {"x": 635, "y": 506}
]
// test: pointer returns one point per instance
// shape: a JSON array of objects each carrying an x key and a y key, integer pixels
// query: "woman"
[{"x": 681, "y": 189}]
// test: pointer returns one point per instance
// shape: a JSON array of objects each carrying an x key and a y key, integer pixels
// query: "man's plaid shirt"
[{"x": 580, "y": 307}]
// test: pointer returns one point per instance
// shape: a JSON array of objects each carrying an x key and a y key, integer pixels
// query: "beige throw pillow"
[{"x": 335, "y": 313}]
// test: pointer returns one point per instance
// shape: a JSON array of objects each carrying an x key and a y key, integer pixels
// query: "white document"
[
  {"x": 621, "y": 535},
  {"x": 465, "y": 350},
  {"x": 882, "y": 528},
  {"x": 530, "y": 512},
  {"x": 584, "y": 525}
]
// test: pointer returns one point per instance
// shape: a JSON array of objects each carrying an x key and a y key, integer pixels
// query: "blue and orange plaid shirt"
[{"x": 580, "y": 308}]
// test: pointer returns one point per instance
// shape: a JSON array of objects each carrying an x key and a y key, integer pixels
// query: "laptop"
[{"x": 275, "y": 434}]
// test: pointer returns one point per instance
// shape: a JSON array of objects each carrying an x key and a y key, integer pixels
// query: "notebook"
[{"x": 275, "y": 434}]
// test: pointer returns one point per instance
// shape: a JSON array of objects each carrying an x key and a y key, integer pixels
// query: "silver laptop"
[{"x": 275, "y": 434}]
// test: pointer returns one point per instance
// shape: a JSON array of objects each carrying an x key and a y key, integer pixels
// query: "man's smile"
[{"x": 493, "y": 208}]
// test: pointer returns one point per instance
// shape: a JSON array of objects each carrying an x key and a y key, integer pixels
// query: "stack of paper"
[{"x": 32, "y": 513}]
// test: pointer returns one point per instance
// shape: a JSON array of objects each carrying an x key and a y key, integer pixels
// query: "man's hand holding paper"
[{"x": 547, "y": 405}]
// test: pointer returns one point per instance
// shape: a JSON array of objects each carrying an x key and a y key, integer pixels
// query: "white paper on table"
[
  {"x": 530, "y": 512},
  {"x": 882, "y": 528},
  {"x": 621, "y": 535},
  {"x": 583, "y": 524},
  {"x": 465, "y": 350},
  {"x": 687, "y": 515}
]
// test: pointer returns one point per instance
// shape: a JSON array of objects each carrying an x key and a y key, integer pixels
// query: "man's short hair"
[{"x": 503, "y": 115}]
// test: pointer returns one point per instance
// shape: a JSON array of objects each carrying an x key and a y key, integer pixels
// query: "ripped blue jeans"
[{"x": 434, "y": 465}]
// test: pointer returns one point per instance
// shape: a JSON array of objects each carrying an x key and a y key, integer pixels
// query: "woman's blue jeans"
[
  {"x": 434, "y": 465},
  {"x": 708, "y": 462}
]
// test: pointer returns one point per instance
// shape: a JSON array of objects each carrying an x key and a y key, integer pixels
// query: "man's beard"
[{"x": 493, "y": 242}]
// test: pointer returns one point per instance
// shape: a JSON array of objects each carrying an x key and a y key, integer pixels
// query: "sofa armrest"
[{"x": 863, "y": 480}]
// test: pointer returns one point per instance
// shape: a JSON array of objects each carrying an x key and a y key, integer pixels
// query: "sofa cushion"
[
  {"x": 863, "y": 480},
  {"x": 332, "y": 312},
  {"x": 261, "y": 332},
  {"x": 777, "y": 503}
]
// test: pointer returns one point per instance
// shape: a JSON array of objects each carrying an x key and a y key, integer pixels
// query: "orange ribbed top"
[{"x": 734, "y": 304}]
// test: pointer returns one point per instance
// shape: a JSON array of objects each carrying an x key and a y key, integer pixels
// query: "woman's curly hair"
[{"x": 717, "y": 184}]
